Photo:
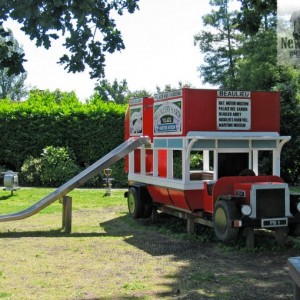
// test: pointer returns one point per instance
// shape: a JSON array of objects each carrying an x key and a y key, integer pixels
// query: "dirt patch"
[{"x": 110, "y": 256}]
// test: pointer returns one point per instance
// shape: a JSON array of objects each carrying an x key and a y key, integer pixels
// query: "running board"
[{"x": 93, "y": 170}]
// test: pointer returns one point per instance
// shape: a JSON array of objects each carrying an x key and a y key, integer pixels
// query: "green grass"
[
  {"x": 82, "y": 198},
  {"x": 4, "y": 295},
  {"x": 108, "y": 255}
]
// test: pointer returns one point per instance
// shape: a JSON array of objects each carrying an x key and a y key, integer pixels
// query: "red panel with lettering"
[{"x": 212, "y": 110}]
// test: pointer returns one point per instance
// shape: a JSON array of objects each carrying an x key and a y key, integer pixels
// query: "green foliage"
[
  {"x": 9, "y": 58},
  {"x": 79, "y": 21},
  {"x": 242, "y": 56},
  {"x": 169, "y": 88},
  {"x": 289, "y": 84},
  {"x": 255, "y": 15},
  {"x": 118, "y": 174},
  {"x": 220, "y": 43},
  {"x": 31, "y": 172},
  {"x": 12, "y": 86},
  {"x": 177, "y": 164},
  {"x": 258, "y": 69},
  {"x": 60, "y": 120},
  {"x": 58, "y": 166},
  {"x": 196, "y": 161},
  {"x": 117, "y": 92},
  {"x": 55, "y": 166}
]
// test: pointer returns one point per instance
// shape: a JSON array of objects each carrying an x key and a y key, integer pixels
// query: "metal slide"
[{"x": 110, "y": 158}]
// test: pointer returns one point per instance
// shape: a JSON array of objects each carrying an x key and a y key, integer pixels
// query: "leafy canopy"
[
  {"x": 12, "y": 60},
  {"x": 88, "y": 28},
  {"x": 255, "y": 14},
  {"x": 12, "y": 86},
  {"x": 116, "y": 91}
]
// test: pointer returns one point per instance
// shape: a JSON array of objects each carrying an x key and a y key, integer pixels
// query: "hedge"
[{"x": 59, "y": 119}]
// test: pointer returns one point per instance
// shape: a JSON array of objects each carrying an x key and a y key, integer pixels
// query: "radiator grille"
[{"x": 270, "y": 203}]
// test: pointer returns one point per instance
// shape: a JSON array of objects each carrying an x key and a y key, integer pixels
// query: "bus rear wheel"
[{"x": 136, "y": 207}]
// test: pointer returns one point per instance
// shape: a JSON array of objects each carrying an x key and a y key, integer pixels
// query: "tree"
[
  {"x": 12, "y": 86},
  {"x": 255, "y": 67},
  {"x": 169, "y": 88},
  {"x": 255, "y": 14},
  {"x": 89, "y": 30},
  {"x": 117, "y": 91},
  {"x": 220, "y": 43},
  {"x": 258, "y": 70},
  {"x": 288, "y": 84},
  {"x": 12, "y": 60}
]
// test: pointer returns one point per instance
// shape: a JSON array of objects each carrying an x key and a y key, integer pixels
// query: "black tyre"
[
  {"x": 136, "y": 207},
  {"x": 294, "y": 229},
  {"x": 148, "y": 210},
  {"x": 224, "y": 213}
]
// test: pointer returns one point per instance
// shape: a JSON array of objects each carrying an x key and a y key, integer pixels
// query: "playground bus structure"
[{"x": 206, "y": 161}]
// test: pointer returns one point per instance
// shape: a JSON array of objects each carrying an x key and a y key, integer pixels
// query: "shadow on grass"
[
  {"x": 52, "y": 233},
  {"x": 6, "y": 197},
  {"x": 204, "y": 269},
  {"x": 112, "y": 298},
  {"x": 211, "y": 270}
]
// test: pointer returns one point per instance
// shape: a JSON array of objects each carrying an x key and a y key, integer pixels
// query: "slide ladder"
[{"x": 78, "y": 180}]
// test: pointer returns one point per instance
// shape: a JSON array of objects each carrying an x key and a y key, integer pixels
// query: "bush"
[
  {"x": 90, "y": 129},
  {"x": 55, "y": 166},
  {"x": 31, "y": 172},
  {"x": 118, "y": 174}
]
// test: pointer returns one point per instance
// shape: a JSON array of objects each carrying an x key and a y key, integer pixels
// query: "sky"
[
  {"x": 287, "y": 7},
  {"x": 160, "y": 50}
]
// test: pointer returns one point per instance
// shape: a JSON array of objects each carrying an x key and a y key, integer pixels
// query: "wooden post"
[
  {"x": 281, "y": 235},
  {"x": 154, "y": 215},
  {"x": 190, "y": 225},
  {"x": 67, "y": 214},
  {"x": 249, "y": 234}
]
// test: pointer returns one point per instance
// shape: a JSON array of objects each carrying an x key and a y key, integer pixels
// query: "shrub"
[
  {"x": 31, "y": 172},
  {"x": 91, "y": 130},
  {"x": 55, "y": 166},
  {"x": 58, "y": 166},
  {"x": 118, "y": 174}
]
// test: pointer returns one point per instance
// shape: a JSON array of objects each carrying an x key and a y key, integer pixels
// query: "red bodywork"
[
  {"x": 199, "y": 113},
  {"x": 200, "y": 106},
  {"x": 190, "y": 200},
  {"x": 147, "y": 130},
  {"x": 201, "y": 200}
]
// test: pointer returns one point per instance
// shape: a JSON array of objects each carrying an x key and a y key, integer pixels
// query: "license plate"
[{"x": 278, "y": 222}]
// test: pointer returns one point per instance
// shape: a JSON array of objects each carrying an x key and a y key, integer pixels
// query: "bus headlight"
[{"x": 246, "y": 210}]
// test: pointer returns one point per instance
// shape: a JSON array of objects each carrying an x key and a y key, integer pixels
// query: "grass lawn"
[{"x": 110, "y": 256}]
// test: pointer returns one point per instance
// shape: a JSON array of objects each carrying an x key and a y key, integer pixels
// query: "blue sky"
[{"x": 159, "y": 50}]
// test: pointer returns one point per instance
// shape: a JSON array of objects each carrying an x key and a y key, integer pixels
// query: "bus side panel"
[
  {"x": 179, "y": 200},
  {"x": 160, "y": 195},
  {"x": 194, "y": 199}
]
